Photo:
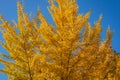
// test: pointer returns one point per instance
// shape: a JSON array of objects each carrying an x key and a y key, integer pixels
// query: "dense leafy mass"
[{"x": 70, "y": 50}]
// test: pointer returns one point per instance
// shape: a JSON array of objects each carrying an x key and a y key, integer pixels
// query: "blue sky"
[{"x": 110, "y": 9}]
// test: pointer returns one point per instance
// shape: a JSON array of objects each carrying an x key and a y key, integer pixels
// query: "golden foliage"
[{"x": 40, "y": 51}]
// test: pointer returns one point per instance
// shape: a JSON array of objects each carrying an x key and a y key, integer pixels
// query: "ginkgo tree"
[{"x": 69, "y": 50}]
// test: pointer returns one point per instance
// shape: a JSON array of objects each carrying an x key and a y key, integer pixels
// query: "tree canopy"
[{"x": 70, "y": 50}]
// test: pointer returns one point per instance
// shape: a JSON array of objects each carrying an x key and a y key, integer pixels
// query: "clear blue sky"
[{"x": 110, "y": 9}]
